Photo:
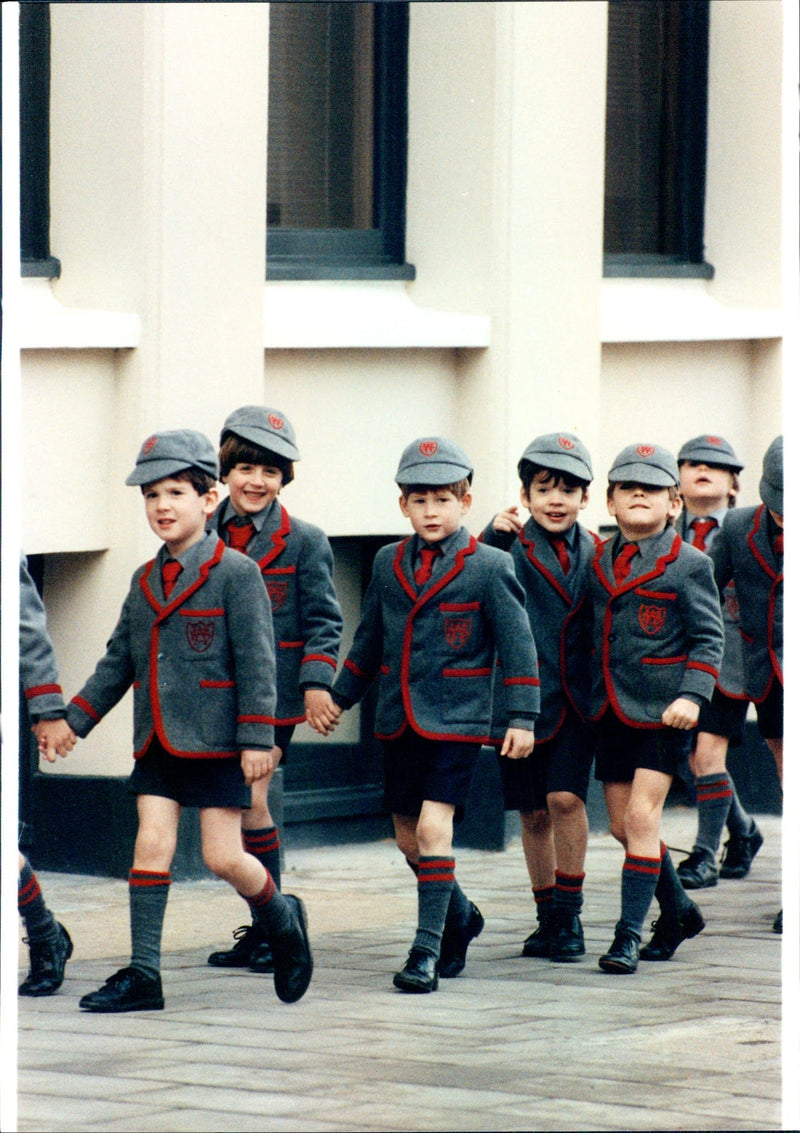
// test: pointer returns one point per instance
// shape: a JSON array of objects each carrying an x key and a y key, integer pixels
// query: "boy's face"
[
  {"x": 252, "y": 487},
  {"x": 705, "y": 485},
  {"x": 435, "y": 514},
  {"x": 552, "y": 504},
  {"x": 176, "y": 513},
  {"x": 641, "y": 510}
]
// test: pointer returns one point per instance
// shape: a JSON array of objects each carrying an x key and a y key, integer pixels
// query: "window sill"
[
  {"x": 678, "y": 310},
  {"x": 337, "y": 315},
  {"x": 46, "y": 324}
]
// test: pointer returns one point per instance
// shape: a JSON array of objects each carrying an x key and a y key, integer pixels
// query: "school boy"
[
  {"x": 50, "y": 943},
  {"x": 658, "y": 642},
  {"x": 552, "y": 555},
  {"x": 257, "y": 454},
  {"x": 709, "y": 483},
  {"x": 749, "y": 551},
  {"x": 439, "y": 608},
  {"x": 195, "y": 641}
]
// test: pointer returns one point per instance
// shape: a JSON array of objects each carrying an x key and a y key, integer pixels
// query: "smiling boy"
[
  {"x": 658, "y": 643},
  {"x": 439, "y": 608}
]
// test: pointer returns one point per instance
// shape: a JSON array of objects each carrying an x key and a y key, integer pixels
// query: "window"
[
  {"x": 34, "y": 113},
  {"x": 336, "y": 161},
  {"x": 656, "y": 137}
]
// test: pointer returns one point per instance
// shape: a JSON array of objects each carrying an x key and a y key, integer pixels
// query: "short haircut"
[
  {"x": 234, "y": 450},
  {"x": 529, "y": 471},
  {"x": 202, "y": 482},
  {"x": 459, "y": 488}
]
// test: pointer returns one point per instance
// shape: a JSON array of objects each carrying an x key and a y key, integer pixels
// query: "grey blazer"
[
  {"x": 202, "y": 664},
  {"x": 38, "y": 670}
]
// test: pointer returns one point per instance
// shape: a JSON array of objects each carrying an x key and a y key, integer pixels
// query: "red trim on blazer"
[
  {"x": 458, "y": 607},
  {"x": 87, "y": 708},
  {"x": 522, "y": 681},
  {"x": 634, "y": 582},
  {"x": 353, "y": 667},
  {"x": 555, "y": 582},
  {"x": 466, "y": 672},
  {"x": 701, "y": 665},
  {"x": 318, "y": 657},
  {"x": 666, "y": 596},
  {"x": 677, "y": 660},
  {"x": 278, "y": 540},
  {"x": 217, "y": 612},
  {"x": 280, "y": 570},
  {"x": 218, "y": 684},
  {"x": 42, "y": 690},
  {"x": 291, "y": 644},
  {"x": 255, "y": 719}
]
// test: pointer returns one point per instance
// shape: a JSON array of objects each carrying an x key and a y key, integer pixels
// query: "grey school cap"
[
  {"x": 563, "y": 452},
  {"x": 174, "y": 450},
  {"x": 645, "y": 464},
  {"x": 710, "y": 450},
  {"x": 268, "y": 428},
  {"x": 434, "y": 461},
  {"x": 771, "y": 487}
]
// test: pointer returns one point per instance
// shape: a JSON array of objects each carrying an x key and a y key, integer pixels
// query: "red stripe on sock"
[
  {"x": 144, "y": 879},
  {"x": 643, "y": 865},
  {"x": 265, "y": 896},
  {"x": 569, "y": 882},
  {"x": 28, "y": 893}
]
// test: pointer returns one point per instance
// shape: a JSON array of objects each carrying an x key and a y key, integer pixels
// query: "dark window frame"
[
  {"x": 34, "y": 142},
  {"x": 690, "y": 181},
  {"x": 377, "y": 252}
]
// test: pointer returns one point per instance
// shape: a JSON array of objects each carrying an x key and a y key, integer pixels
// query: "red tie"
[
  {"x": 169, "y": 575},
  {"x": 562, "y": 554},
  {"x": 240, "y": 534},
  {"x": 423, "y": 572},
  {"x": 701, "y": 528},
  {"x": 622, "y": 563},
  {"x": 777, "y": 544}
]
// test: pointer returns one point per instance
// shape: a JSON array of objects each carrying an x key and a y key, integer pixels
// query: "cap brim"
[
  {"x": 771, "y": 496},
  {"x": 153, "y": 470},
  {"x": 639, "y": 473},
  {"x": 433, "y": 473},
  {"x": 560, "y": 462}
]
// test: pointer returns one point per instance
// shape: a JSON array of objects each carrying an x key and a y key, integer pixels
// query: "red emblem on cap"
[
  {"x": 565, "y": 442},
  {"x": 428, "y": 448},
  {"x": 149, "y": 445},
  {"x": 645, "y": 450},
  {"x": 275, "y": 421},
  {"x": 714, "y": 440},
  {"x": 652, "y": 618}
]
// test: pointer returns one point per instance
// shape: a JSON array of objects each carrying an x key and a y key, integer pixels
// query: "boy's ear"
[
  {"x": 524, "y": 497},
  {"x": 584, "y": 498},
  {"x": 403, "y": 505},
  {"x": 210, "y": 501},
  {"x": 466, "y": 502}
]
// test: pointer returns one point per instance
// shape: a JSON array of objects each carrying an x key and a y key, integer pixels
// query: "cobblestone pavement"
[{"x": 512, "y": 1044}]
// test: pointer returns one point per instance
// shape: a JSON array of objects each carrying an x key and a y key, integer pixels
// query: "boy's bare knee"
[
  {"x": 535, "y": 821},
  {"x": 563, "y": 804}
]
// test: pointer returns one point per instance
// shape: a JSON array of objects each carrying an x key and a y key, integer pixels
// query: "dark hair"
[
  {"x": 459, "y": 488},
  {"x": 529, "y": 471},
  {"x": 202, "y": 482},
  {"x": 234, "y": 450}
]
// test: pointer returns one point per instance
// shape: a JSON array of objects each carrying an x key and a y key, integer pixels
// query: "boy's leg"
[
  {"x": 50, "y": 944},
  {"x": 570, "y": 836},
  {"x": 436, "y": 866},
  {"x": 281, "y": 916},
  {"x": 261, "y": 839},
  {"x": 635, "y": 813},
  {"x": 538, "y": 847},
  {"x": 775, "y": 745},
  {"x": 679, "y": 920},
  {"x": 138, "y": 987}
]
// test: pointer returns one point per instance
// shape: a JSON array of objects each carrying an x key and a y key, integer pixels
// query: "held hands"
[
  {"x": 518, "y": 743},
  {"x": 54, "y": 737},
  {"x": 682, "y": 713},
  {"x": 322, "y": 713},
  {"x": 256, "y": 765},
  {"x": 508, "y": 520}
]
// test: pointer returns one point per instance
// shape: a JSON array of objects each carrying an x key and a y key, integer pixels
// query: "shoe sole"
[
  {"x": 413, "y": 987},
  {"x": 738, "y": 872},
  {"x": 567, "y": 957},
  {"x": 614, "y": 967},
  {"x": 694, "y": 883},
  {"x": 156, "y": 1005}
]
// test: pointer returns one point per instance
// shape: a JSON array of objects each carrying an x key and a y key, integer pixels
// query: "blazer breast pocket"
[{"x": 202, "y": 634}]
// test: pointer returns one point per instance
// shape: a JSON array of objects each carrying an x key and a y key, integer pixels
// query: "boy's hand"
[
  {"x": 508, "y": 520},
  {"x": 54, "y": 737},
  {"x": 321, "y": 712},
  {"x": 518, "y": 743},
  {"x": 682, "y": 713},
  {"x": 256, "y": 765}
]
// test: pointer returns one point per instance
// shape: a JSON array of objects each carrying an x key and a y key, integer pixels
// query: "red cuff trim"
[
  {"x": 84, "y": 705},
  {"x": 522, "y": 681},
  {"x": 42, "y": 690},
  {"x": 319, "y": 657}
]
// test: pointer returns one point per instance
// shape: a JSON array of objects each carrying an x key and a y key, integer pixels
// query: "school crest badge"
[
  {"x": 278, "y": 593},
  {"x": 652, "y": 618},
  {"x": 457, "y": 631},
  {"x": 200, "y": 635},
  {"x": 731, "y": 603},
  {"x": 276, "y": 421},
  {"x": 429, "y": 448},
  {"x": 645, "y": 450}
]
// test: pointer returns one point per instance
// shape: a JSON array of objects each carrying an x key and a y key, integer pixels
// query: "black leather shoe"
[
  {"x": 667, "y": 934},
  {"x": 739, "y": 854},
  {"x": 248, "y": 937},
  {"x": 419, "y": 974},
  {"x": 48, "y": 960},
  {"x": 622, "y": 958},
  {"x": 129, "y": 989},
  {"x": 777, "y": 924},
  {"x": 537, "y": 945},
  {"x": 291, "y": 955},
  {"x": 456, "y": 939},
  {"x": 261, "y": 958},
  {"x": 698, "y": 871},
  {"x": 566, "y": 937}
]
